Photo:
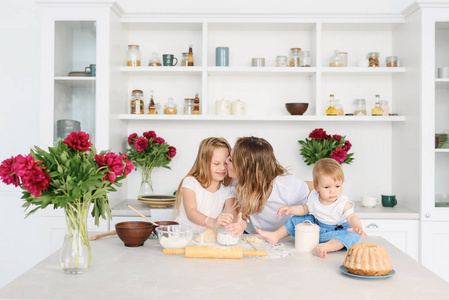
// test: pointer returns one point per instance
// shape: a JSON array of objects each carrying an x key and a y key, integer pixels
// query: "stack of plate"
[{"x": 157, "y": 200}]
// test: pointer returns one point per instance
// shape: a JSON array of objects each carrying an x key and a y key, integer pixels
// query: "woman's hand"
[
  {"x": 237, "y": 228},
  {"x": 224, "y": 219}
]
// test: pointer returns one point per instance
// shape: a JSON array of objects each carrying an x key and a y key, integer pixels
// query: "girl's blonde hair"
[
  {"x": 256, "y": 166},
  {"x": 327, "y": 167},
  {"x": 201, "y": 167}
]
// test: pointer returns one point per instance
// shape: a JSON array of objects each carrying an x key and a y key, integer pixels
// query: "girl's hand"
[
  {"x": 286, "y": 210},
  {"x": 236, "y": 229},
  {"x": 224, "y": 219},
  {"x": 358, "y": 230}
]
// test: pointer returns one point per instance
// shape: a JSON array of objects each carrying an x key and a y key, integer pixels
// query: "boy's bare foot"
[
  {"x": 268, "y": 236},
  {"x": 319, "y": 251}
]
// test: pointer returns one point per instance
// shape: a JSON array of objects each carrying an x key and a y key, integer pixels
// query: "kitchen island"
[{"x": 119, "y": 272}]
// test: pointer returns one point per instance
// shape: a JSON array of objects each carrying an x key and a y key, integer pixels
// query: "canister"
[
  {"x": 307, "y": 236},
  {"x": 359, "y": 107},
  {"x": 222, "y": 107},
  {"x": 238, "y": 107},
  {"x": 443, "y": 72},
  {"x": 65, "y": 127},
  {"x": 222, "y": 56},
  {"x": 258, "y": 62},
  {"x": 344, "y": 56}
]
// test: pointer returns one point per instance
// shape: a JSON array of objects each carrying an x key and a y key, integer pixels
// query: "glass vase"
[
  {"x": 146, "y": 186},
  {"x": 75, "y": 251}
]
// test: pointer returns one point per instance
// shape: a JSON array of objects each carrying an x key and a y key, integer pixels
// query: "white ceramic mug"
[{"x": 369, "y": 201}]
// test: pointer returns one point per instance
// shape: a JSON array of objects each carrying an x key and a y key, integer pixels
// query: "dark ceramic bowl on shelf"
[
  {"x": 296, "y": 108},
  {"x": 134, "y": 233}
]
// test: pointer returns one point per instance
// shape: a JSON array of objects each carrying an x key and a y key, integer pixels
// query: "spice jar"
[
  {"x": 305, "y": 58},
  {"x": 184, "y": 59},
  {"x": 295, "y": 58},
  {"x": 133, "y": 56},
  {"x": 336, "y": 60},
  {"x": 137, "y": 107},
  {"x": 189, "y": 106},
  {"x": 281, "y": 61},
  {"x": 359, "y": 107},
  {"x": 339, "y": 108},
  {"x": 373, "y": 59},
  {"x": 170, "y": 107},
  {"x": 392, "y": 61},
  {"x": 344, "y": 56},
  {"x": 155, "y": 61}
]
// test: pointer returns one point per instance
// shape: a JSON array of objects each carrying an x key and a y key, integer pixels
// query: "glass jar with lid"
[
  {"x": 155, "y": 61},
  {"x": 133, "y": 56},
  {"x": 392, "y": 61},
  {"x": 336, "y": 60},
  {"x": 359, "y": 107},
  {"x": 137, "y": 105},
  {"x": 281, "y": 61},
  {"x": 170, "y": 107},
  {"x": 185, "y": 59},
  {"x": 189, "y": 106},
  {"x": 295, "y": 58},
  {"x": 373, "y": 59},
  {"x": 305, "y": 58},
  {"x": 384, "y": 106}
]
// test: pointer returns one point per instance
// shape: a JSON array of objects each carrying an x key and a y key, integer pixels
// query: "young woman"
[{"x": 262, "y": 186}]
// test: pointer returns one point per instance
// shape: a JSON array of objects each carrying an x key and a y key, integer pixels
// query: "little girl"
[
  {"x": 334, "y": 213},
  {"x": 205, "y": 190}
]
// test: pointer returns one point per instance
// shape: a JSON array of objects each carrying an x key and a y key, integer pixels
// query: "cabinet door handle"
[{"x": 372, "y": 226}]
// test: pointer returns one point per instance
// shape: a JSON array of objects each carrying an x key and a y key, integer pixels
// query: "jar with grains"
[
  {"x": 295, "y": 58},
  {"x": 305, "y": 58},
  {"x": 392, "y": 61},
  {"x": 137, "y": 105},
  {"x": 185, "y": 59},
  {"x": 359, "y": 107},
  {"x": 373, "y": 59},
  {"x": 385, "y": 109},
  {"x": 189, "y": 106},
  {"x": 339, "y": 107},
  {"x": 170, "y": 107},
  {"x": 133, "y": 56},
  {"x": 336, "y": 60},
  {"x": 155, "y": 61},
  {"x": 281, "y": 61}
]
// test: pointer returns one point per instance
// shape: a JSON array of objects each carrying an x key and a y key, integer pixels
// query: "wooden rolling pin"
[{"x": 214, "y": 252}]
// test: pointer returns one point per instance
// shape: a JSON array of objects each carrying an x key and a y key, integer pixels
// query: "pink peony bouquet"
[
  {"x": 148, "y": 152},
  {"x": 321, "y": 145},
  {"x": 70, "y": 172}
]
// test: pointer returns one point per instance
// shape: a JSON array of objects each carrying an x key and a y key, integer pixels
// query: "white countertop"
[
  {"x": 119, "y": 272},
  {"x": 378, "y": 212}
]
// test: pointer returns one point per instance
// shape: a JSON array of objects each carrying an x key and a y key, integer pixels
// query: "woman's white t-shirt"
[
  {"x": 287, "y": 191},
  {"x": 207, "y": 203}
]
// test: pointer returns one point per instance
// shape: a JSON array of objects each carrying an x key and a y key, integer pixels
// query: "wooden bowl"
[
  {"x": 134, "y": 234},
  {"x": 296, "y": 108},
  {"x": 160, "y": 223}
]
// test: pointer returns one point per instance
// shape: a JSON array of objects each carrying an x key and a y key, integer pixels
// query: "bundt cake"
[{"x": 368, "y": 260}]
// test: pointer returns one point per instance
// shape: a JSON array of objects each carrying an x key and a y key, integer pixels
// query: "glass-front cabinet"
[
  {"x": 74, "y": 78},
  {"x": 441, "y": 114}
]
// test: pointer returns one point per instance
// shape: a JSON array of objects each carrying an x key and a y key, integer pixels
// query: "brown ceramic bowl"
[
  {"x": 161, "y": 223},
  {"x": 134, "y": 234},
  {"x": 296, "y": 108}
]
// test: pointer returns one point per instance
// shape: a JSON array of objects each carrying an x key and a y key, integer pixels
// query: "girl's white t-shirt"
[
  {"x": 329, "y": 214},
  {"x": 287, "y": 191},
  {"x": 207, "y": 203}
]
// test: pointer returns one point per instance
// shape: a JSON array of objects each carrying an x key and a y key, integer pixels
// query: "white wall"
[{"x": 19, "y": 86}]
